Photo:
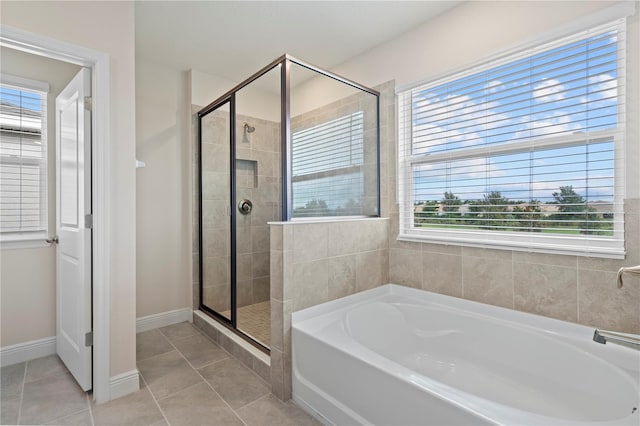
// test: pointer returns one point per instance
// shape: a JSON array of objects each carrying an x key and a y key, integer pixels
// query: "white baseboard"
[
  {"x": 27, "y": 351},
  {"x": 124, "y": 384},
  {"x": 163, "y": 319}
]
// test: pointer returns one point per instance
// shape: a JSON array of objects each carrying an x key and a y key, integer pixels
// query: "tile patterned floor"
[
  {"x": 255, "y": 320},
  {"x": 186, "y": 379}
]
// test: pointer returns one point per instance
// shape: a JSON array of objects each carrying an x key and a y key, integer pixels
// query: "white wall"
[
  {"x": 107, "y": 27},
  {"x": 28, "y": 276},
  {"x": 162, "y": 190},
  {"x": 255, "y": 100}
]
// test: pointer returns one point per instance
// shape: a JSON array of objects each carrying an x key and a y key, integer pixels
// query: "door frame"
[{"x": 99, "y": 63}]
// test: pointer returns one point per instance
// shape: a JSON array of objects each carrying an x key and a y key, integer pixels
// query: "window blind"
[
  {"x": 326, "y": 165},
  {"x": 525, "y": 151},
  {"x": 23, "y": 155}
]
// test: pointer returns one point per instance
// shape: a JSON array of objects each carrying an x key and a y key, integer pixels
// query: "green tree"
[
  {"x": 569, "y": 200},
  {"x": 450, "y": 202},
  {"x": 313, "y": 208},
  {"x": 496, "y": 214},
  {"x": 574, "y": 211},
  {"x": 451, "y": 208},
  {"x": 425, "y": 212},
  {"x": 528, "y": 217}
]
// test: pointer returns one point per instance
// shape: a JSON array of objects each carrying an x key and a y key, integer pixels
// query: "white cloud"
[
  {"x": 605, "y": 85},
  {"x": 492, "y": 86},
  {"x": 558, "y": 122},
  {"x": 548, "y": 90}
]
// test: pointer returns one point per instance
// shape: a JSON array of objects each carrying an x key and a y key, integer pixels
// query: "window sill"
[
  {"x": 24, "y": 243},
  {"x": 524, "y": 246},
  {"x": 328, "y": 219}
]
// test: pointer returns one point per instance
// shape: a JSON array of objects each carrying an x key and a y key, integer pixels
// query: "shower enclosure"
[{"x": 292, "y": 142}]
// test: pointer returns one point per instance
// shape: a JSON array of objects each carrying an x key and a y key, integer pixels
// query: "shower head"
[{"x": 248, "y": 128}]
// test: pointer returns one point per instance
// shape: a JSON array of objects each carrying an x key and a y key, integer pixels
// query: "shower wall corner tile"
[
  {"x": 277, "y": 325},
  {"x": 277, "y": 374},
  {"x": 276, "y": 282},
  {"x": 275, "y": 237}
]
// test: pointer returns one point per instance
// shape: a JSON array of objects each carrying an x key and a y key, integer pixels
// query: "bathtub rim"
[{"x": 576, "y": 335}]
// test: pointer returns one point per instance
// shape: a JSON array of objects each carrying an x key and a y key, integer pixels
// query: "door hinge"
[
  {"x": 88, "y": 103},
  {"x": 88, "y": 221},
  {"x": 88, "y": 339}
]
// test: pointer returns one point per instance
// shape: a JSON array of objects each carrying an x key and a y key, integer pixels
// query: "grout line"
[
  {"x": 462, "y": 274},
  {"x": 178, "y": 392},
  {"x": 93, "y": 422},
  {"x": 213, "y": 362},
  {"x": 54, "y": 421},
  {"x": 513, "y": 283},
  {"x": 24, "y": 379},
  {"x": 259, "y": 399},
  {"x": 154, "y": 399},
  {"x": 577, "y": 290},
  {"x": 208, "y": 384},
  {"x": 153, "y": 356}
]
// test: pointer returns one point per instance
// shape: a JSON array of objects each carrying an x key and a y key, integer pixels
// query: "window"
[
  {"x": 327, "y": 173},
  {"x": 23, "y": 159},
  {"x": 523, "y": 153}
]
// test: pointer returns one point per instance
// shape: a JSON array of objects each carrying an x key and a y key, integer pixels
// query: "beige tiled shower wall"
[{"x": 258, "y": 179}]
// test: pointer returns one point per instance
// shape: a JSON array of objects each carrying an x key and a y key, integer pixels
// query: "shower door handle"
[{"x": 245, "y": 206}]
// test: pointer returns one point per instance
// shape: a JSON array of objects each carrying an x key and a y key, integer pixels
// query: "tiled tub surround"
[
  {"x": 312, "y": 263},
  {"x": 571, "y": 288}
]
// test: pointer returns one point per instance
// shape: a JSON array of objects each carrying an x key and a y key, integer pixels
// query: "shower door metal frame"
[
  {"x": 232, "y": 181},
  {"x": 284, "y": 62}
]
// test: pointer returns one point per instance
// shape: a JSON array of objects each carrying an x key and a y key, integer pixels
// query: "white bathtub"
[{"x": 399, "y": 356}]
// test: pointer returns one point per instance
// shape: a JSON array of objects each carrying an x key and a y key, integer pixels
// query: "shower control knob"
[{"x": 245, "y": 206}]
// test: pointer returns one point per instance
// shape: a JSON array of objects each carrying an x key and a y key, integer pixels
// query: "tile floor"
[{"x": 186, "y": 379}]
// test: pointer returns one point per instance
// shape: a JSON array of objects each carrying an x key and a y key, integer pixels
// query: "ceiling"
[{"x": 233, "y": 39}]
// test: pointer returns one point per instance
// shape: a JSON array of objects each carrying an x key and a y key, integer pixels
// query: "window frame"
[
  {"x": 510, "y": 240},
  {"x": 32, "y": 239}
]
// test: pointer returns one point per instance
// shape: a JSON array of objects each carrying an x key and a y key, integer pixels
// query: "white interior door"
[{"x": 73, "y": 226}]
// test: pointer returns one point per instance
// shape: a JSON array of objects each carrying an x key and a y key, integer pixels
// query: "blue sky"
[
  {"x": 28, "y": 100},
  {"x": 564, "y": 90}
]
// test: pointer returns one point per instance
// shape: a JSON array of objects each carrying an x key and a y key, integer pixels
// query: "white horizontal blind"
[
  {"x": 23, "y": 159},
  {"x": 525, "y": 151},
  {"x": 326, "y": 168}
]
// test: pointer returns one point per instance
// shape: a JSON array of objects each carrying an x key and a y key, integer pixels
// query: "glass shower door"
[
  {"x": 257, "y": 200},
  {"x": 215, "y": 204}
]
